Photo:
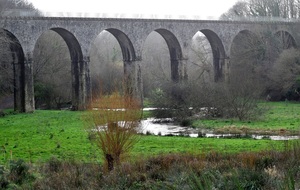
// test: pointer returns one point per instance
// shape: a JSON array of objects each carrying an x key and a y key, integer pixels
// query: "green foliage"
[{"x": 43, "y": 95}]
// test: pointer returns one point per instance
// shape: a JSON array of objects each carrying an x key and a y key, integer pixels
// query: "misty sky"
[{"x": 203, "y": 9}]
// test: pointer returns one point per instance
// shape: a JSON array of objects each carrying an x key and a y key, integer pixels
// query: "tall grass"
[{"x": 262, "y": 170}]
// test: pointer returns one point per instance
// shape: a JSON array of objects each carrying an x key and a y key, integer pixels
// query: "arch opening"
[
  {"x": 112, "y": 55},
  {"x": 156, "y": 66},
  {"x": 175, "y": 53},
  {"x": 248, "y": 63},
  {"x": 284, "y": 40},
  {"x": 208, "y": 55},
  {"x": 163, "y": 68},
  {"x": 78, "y": 67},
  {"x": 218, "y": 53},
  {"x": 72, "y": 43},
  {"x": 125, "y": 44},
  {"x": 52, "y": 73},
  {"x": 247, "y": 47},
  {"x": 106, "y": 67},
  {"x": 12, "y": 72}
]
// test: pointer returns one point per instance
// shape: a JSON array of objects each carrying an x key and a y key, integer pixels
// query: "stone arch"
[
  {"x": 20, "y": 78},
  {"x": 78, "y": 68},
  {"x": 285, "y": 39},
  {"x": 72, "y": 42},
  {"x": 126, "y": 45},
  {"x": 175, "y": 53},
  {"x": 218, "y": 53},
  {"x": 246, "y": 39},
  {"x": 247, "y": 51},
  {"x": 129, "y": 58},
  {"x": 128, "y": 53}
]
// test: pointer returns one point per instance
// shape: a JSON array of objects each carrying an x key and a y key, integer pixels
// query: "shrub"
[
  {"x": 3, "y": 178},
  {"x": 54, "y": 164},
  {"x": 186, "y": 122},
  {"x": 2, "y": 114},
  {"x": 115, "y": 122},
  {"x": 19, "y": 171}
]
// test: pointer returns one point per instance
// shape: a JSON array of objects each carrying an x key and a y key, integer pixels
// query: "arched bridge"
[{"x": 80, "y": 33}]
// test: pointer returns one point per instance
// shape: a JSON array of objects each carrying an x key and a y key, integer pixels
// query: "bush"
[
  {"x": 43, "y": 95},
  {"x": 3, "y": 178},
  {"x": 2, "y": 114},
  {"x": 173, "y": 101},
  {"x": 54, "y": 164},
  {"x": 47, "y": 96},
  {"x": 235, "y": 99},
  {"x": 116, "y": 120},
  {"x": 19, "y": 171}
]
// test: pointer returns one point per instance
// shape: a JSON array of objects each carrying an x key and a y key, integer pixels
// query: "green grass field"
[
  {"x": 279, "y": 116},
  {"x": 38, "y": 136}
]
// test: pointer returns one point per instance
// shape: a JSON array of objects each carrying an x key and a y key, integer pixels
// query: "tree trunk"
[{"x": 110, "y": 162}]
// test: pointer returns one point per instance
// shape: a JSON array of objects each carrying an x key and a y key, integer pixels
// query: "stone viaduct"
[{"x": 79, "y": 34}]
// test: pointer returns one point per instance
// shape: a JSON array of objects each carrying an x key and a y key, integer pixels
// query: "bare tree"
[
  {"x": 287, "y": 9},
  {"x": 200, "y": 65},
  {"x": 240, "y": 10},
  {"x": 18, "y": 8}
]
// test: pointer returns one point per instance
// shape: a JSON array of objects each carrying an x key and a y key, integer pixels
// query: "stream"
[{"x": 152, "y": 126}]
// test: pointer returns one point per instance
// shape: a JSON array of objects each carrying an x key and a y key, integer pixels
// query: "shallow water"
[{"x": 151, "y": 126}]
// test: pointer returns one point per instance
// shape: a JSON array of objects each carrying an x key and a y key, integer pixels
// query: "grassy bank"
[
  {"x": 280, "y": 117},
  {"x": 36, "y": 137}
]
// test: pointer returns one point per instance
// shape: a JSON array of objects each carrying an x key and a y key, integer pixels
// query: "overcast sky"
[{"x": 192, "y": 9}]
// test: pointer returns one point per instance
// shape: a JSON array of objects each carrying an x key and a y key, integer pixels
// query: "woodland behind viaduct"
[{"x": 80, "y": 33}]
